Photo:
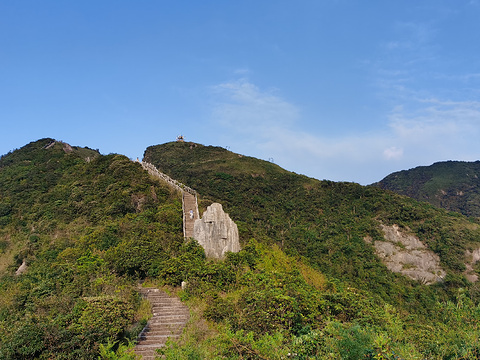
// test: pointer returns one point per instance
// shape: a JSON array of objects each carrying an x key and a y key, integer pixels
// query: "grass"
[
  {"x": 7, "y": 254},
  {"x": 144, "y": 312}
]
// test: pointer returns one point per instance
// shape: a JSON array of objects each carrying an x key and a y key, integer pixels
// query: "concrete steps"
[
  {"x": 190, "y": 213},
  {"x": 168, "y": 320},
  {"x": 189, "y": 198}
]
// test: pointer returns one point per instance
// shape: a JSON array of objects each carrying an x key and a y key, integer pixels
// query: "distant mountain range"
[{"x": 452, "y": 185}]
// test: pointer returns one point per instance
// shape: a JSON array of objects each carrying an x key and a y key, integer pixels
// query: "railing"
[
  {"x": 152, "y": 170},
  {"x": 176, "y": 184}
]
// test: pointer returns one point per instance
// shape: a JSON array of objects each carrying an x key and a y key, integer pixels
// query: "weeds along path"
[{"x": 169, "y": 318}]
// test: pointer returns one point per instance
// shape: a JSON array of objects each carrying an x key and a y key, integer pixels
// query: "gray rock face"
[
  {"x": 405, "y": 254},
  {"x": 472, "y": 257},
  {"x": 22, "y": 268},
  {"x": 216, "y": 232}
]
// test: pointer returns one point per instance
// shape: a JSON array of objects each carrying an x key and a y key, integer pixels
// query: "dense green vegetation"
[
  {"x": 452, "y": 185},
  {"x": 323, "y": 221},
  {"x": 305, "y": 286},
  {"x": 264, "y": 304},
  {"x": 88, "y": 231}
]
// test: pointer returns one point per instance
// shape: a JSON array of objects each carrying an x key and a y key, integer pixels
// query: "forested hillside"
[
  {"x": 88, "y": 227},
  {"x": 452, "y": 185},
  {"x": 307, "y": 284},
  {"x": 326, "y": 223},
  {"x": 323, "y": 221}
]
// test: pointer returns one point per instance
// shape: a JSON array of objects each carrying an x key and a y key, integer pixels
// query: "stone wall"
[{"x": 216, "y": 232}]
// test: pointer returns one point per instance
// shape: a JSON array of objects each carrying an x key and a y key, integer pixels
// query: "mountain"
[
  {"x": 326, "y": 270},
  {"x": 337, "y": 228},
  {"x": 324, "y": 221},
  {"x": 452, "y": 185},
  {"x": 87, "y": 227}
]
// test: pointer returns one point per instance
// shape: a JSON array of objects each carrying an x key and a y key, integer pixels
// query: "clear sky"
[{"x": 345, "y": 90}]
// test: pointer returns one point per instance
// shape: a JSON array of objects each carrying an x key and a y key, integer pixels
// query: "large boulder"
[{"x": 216, "y": 232}]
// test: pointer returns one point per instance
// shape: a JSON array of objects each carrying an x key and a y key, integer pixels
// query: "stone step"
[
  {"x": 159, "y": 298},
  {"x": 166, "y": 303},
  {"x": 162, "y": 330},
  {"x": 189, "y": 203},
  {"x": 155, "y": 334},
  {"x": 159, "y": 310},
  {"x": 173, "y": 308},
  {"x": 148, "y": 347},
  {"x": 160, "y": 315},
  {"x": 162, "y": 326},
  {"x": 159, "y": 333},
  {"x": 155, "y": 323},
  {"x": 156, "y": 340},
  {"x": 159, "y": 336},
  {"x": 168, "y": 320}
]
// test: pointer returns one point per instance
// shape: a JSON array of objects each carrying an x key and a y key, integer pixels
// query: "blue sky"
[{"x": 345, "y": 90}]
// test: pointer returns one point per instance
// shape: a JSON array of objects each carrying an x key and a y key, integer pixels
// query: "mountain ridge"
[
  {"x": 452, "y": 185},
  {"x": 250, "y": 194},
  {"x": 308, "y": 281}
]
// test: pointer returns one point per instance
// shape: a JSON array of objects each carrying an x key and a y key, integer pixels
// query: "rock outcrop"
[
  {"x": 472, "y": 257},
  {"x": 216, "y": 232},
  {"x": 22, "y": 268},
  {"x": 405, "y": 254}
]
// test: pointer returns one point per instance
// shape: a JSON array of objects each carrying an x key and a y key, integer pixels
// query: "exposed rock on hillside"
[
  {"x": 405, "y": 254},
  {"x": 86, "y": 153},
  {"x": 22, "y": 268},
  {"x": 216, "y": 232},
  {"x": 472, "y": 258}
]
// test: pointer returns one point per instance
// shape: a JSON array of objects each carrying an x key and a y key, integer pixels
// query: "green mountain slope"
[
  {"x": 452, "y": 185},
  {"x": 332, "y": 227},
  {"x": 324, "y": 221},
  {"x": 87, "y": 226},
  {"x": 308, "y": 283}
]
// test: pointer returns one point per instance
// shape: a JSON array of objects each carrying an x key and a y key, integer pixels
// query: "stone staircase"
[
  {"x": 189, "y": 198},
  {"x": 168, "y": 320},
  {"x": 190, "y": 213}
]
